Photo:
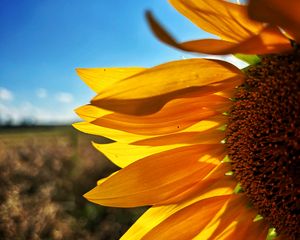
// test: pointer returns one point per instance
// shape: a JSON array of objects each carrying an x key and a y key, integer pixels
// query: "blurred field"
[{"x": 43, "y": 173}]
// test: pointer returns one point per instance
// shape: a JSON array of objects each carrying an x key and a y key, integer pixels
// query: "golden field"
[{"x": 44, "y": 171}]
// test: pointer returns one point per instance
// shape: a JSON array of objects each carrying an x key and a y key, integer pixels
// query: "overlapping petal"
[
  {"x": 205, "y": 132},
  {"x": 178, "y": 79},
  {"x": 138, "y": 139},
  {"x": 282, "y": 13},
  {"x": 204, "y": 219},
  {"x": 110, "y": 133},
  {"x": 224, "y": 19},
  {"x": 133, "y": 186},
  {"x": 235, "y": 221},
  {"x": 90, "y": 113},
  {"x": 216, "y": 183},
  {"x": 189, "y": 221},
  {"x": 174, "y": 117},
  {"x": 99, "y": 78},
  {"x": 201, "y": 101},
  {"x": 215, "y": 186},
  {"x": 123, "y": 154},
  {"x": 268, "y": 40}
]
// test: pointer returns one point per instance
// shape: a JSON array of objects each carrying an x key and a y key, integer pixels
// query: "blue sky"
[{"x": 43, "y": 41}]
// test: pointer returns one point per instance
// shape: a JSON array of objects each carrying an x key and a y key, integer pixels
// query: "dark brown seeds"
[{"x": 263, "y": 140}]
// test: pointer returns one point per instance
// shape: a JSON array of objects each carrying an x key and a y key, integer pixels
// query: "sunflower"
[{"x": 214, "y": 150}]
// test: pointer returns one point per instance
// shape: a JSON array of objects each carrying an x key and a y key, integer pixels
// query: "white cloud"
[
  {"x": 41, "y": 93},
  {"x": 64, "y": 97},
  {"x": 28, "y": 112},
  {"x": 5, "y": 94}
]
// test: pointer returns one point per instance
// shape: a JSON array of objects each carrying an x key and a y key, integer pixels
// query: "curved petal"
[
  {"x": 151, "y": 218},
  {"x": 282, "y": 13},
  {"x": 90, "y": 113},
  {"x": 245, "y": 229},
  {"x": 138, "y": 139},
  {"x": 157, "y": 214},
  {"x": 169, "y": 223},
  {"x": 193, "y": 219},
  {"x": 133, "y": 186},
  {"x": 216, "y": 183},
  {"x": 144, "y": 106},
  {"x": 99, "y": 78},
  {"x": 170, "y": 77},
  {"x": 148, "y": 91},
  {"x": 237, "y": 222},
  {"x": 227, "y": 20},
  {"x": 113, "y": 134},
  {"x": 213, "y": 135},
  {"x": 123, "y": 154},
  {"x": 268, "y": 40},
  {"x": 175, "y": 116}
]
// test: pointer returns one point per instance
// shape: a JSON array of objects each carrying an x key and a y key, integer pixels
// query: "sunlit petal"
[
  {"x": 99, "y": 78},
  {"x": 282, "y": 13},
  {"x": 123, "y": 154},
  {"x": 133, "y": 186},
  {"x": 224, "y": 19},
  {"x": 269, "y": 40},
  {"x": 168, "y": 81}
]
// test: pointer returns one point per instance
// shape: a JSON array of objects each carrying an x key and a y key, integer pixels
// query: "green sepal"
[
  {"x": 238, "y": 189},
  {"x": 251, "y": 59},
  {"x": 222, "y": 128},
  {"x": 226, "y": 159},
  {"x": 271, "y": 234},
  {"x": 258, "y": 218}
]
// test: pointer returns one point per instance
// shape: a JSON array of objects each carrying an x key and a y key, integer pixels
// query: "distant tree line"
[{"x": 9, "y": 122}]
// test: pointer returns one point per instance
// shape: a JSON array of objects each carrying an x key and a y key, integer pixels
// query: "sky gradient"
[{"x": 42, "y": 42}]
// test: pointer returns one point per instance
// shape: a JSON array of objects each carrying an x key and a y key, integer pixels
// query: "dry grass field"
[{"x": 43, "y": 173}]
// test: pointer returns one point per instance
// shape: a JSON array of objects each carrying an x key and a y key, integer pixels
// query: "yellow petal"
[
  {"x": 213, "y": 135},
  {"x": 147, "y": 221},
  {"x": 123, "y": 154},
  {"x": 236, "y": 221},
  {"x": 189, "y": 221},
  {"x": 99, "y": 78},
  {"x": 282, "y": 13},
  {"x": 104, "y": 179},
  {"x": 113, "y": 134},
  {"x": 268, "y": 40},
  {"x": 90, "y": 113},
  {"x": 157, "y": 214},
  {"x": 148, "y": 91},
  {"x": 175, "y": 116},
  {"x": 151, "y": 105},
  {"x": 249, "y": 230},
  {"x": 126, "y": 137},
  {"x": 170, "y": 77},
  {"x": 227, "y": 20},
  {"x": 216, "y": 183},
  {"x": 157, "y": 177}
]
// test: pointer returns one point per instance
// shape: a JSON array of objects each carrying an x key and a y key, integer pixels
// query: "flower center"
[{"x": 263, "y": 140}]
